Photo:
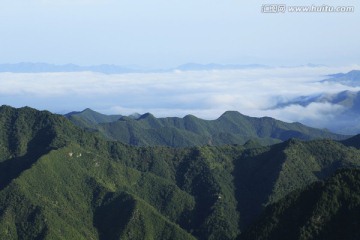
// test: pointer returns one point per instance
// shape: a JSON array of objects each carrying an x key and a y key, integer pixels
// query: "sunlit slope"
[
  {"x": 83, "y": 195},
  {"x": 231, "y": 128}
]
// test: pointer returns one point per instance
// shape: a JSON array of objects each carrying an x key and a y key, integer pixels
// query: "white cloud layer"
[{"x": 206, "y": 94}]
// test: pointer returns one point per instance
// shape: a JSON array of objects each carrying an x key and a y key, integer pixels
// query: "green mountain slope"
[
  {"x": 63, "y": 189},
  {"x": 352, "y": 142},
  {"x": 324, "y": 210},
  {"x": 81, "y": 175},
  {"x": 230, "y": 128},
  {"x": 263, "y": 176},
  {"x": 61, "y": 182},
  {"x": 89, "y": 118}
]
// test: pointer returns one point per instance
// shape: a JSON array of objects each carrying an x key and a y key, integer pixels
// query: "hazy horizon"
[
  {"x": 205, "y": 94},
  {"x": 163, "y": 34}
]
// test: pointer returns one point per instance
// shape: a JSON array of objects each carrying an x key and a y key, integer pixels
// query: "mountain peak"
[
  {"x": 190, "y": 116},
  {"x": 91, "y": 117},
  {"x": 146, "y": 116},
  {"x": 134, "y": 115},
  {"x": 88, "y": 110},
  {"x": 228, "y": 114}
]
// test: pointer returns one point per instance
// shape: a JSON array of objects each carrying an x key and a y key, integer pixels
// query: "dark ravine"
[{"x": 80, "y": 186}]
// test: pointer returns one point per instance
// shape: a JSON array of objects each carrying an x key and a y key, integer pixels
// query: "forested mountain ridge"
[
  {"x": 230, "y": 128},
  {"x": 324, "y": 210},
  {"x": 67, "y": 183},
  {"x": 89, "y": 118}
]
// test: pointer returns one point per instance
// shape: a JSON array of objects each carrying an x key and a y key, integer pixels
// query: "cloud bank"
[{"x": 206, "y": 94}]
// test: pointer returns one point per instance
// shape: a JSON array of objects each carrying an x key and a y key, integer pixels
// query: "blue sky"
[
  {"x": 165, "y": 34},
  {"x": 162, "y": 33}
]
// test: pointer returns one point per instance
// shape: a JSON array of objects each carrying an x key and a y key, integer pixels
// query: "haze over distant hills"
[
  {"x": 28, "y": 67},
  {"x": 230, "y": 128},
  {"x": 250, "y": 89},
  {"x": 212, "y": 66},
  {"x": 351, "y": 78},
  {"x": 345, "y": 119},
  {"x": 350, "y": 101}
]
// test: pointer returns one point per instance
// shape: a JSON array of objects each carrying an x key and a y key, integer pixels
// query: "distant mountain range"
[
  {"x": 351, "y": 78},
  {"x": 28, "y": 67},
  {"x": 211, "y": 66},
  {"x": 347, "y": 99},
  {"x": 230, "y": 128},
  {"x": 58, "y": 181},
  {"x": 45, "y": 67},
  {"x": 347, "y": 119}
]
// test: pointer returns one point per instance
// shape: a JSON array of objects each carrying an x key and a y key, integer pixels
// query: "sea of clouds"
[{"x": 205, "y": 94}]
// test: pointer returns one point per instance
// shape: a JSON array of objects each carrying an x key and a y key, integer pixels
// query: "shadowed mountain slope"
[{"x": 324, "y": 210}]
